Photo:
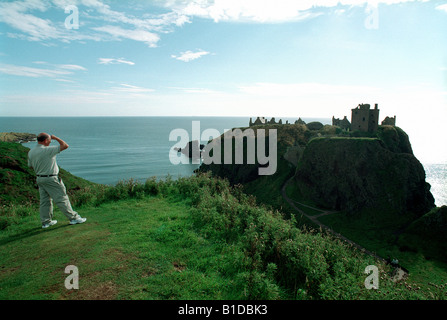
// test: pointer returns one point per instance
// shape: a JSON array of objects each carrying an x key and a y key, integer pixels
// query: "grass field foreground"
[{"x": 132, "y": 249}]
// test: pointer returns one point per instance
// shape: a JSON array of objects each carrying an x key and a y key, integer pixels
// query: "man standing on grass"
[{"x": 42, "y": 158}]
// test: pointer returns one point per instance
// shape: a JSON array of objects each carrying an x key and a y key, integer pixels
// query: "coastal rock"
[
  {"x": 17, "y": 137},
  {"x": 192, "y": 149},
  {"x": 350, "y": 174}
]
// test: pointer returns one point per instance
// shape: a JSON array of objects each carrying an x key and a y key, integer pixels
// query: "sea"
[{"x": 107, "y": 150}]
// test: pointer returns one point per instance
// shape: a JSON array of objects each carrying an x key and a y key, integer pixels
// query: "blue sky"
[{"x": 280, "y": 58}]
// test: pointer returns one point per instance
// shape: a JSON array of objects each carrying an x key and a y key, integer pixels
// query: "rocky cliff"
[
  {"x": 349, "y": 174},
  {"x": 343, "y": 170},
  {"x": 17, "y": 137}
]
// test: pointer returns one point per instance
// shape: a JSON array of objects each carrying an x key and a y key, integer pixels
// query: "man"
[{"x": 42, "y": 158}]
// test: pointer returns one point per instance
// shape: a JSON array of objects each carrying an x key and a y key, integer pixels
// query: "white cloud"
[
  {"x": 14, "y": 14},
  {"x": 22, "y": 16},
  {"x": 190, "y": 55},
  {"x": 50, "y": 71},
  {"x": 442, "y": 7},
  {"x": 72, "y": 67},
  {"x": 115, "y": 61},
  {"x": 119, "y": 33},
  {"x": 162, "y": 22},
  {"x": 132, "y": 89},
  {"x": 304, "y": 89},
  {"x": 31, "y": 21},
  {"x": 64, "y": 80},
  {"x": 198, "y": 90},
  {"x": 147, "y": 22},
  {"x": 263, "y": 10},
  {"x": 31, "y": 72}
]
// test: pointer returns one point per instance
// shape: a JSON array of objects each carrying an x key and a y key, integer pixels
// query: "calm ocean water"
[{"x": 109, "y": 149}]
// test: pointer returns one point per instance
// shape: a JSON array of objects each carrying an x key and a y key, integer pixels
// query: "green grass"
[
  {"x": 379, "y": 234},
  {"x": 267, "y": 189},
  {"x": 132, "y": 249},
  {"x": 293, "y": 193}
]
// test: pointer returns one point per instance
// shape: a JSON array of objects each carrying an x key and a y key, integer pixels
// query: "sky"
[{"x": 272, "y": 58}]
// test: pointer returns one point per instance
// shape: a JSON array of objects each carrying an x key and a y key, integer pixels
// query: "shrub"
[
  {"x": 151, "y": 187},
  {"x": 12, "y": 213}
]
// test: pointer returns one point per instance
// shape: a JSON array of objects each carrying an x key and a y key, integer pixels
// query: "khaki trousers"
[{"x": 53, "y": 188}]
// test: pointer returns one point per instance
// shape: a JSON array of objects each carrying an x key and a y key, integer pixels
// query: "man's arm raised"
[{"x": 63, "y": 144}]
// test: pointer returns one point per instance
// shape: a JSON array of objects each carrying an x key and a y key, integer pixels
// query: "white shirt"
[{"x": 43, "y": 159}]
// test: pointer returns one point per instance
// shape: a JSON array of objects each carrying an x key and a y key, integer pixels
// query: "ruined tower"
[
  {"x": 364, "y": 118},
  {"x": 388, "y": 121}
]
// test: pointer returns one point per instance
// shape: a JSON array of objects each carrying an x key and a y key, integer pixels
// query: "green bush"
[{"x": 12, "y": 213}]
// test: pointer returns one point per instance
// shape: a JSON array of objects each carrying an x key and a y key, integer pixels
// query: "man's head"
[{"x": 44, "y": 139}]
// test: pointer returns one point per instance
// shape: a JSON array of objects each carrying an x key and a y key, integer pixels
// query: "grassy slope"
[
  {"x": 375, "y": 232},
  {"x": 133, "y": 249},
  {"x": 168, "y": 247}
]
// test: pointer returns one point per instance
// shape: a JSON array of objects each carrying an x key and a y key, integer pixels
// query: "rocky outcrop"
[
  {"x": 192, "y": 149},
  {"x": 350, "y": 174},
  {"x": 17, "y": 137}
]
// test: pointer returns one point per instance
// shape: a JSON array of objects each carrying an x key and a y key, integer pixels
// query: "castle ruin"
[
  {"x": 258, "y": 121},
  {"x": 264, "y": 121},
  {"x": 364, "y": 118},
  {"x": 388, "y": 121},
  {"x": 344, "y": 123}
]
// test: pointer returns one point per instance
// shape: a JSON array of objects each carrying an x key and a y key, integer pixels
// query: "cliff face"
[
  {"x": 17, "y": 137},
  {"x": 290, "y": 138},
  {"x": 354, "y": 173},
  {"x": 346, "y": 170}
]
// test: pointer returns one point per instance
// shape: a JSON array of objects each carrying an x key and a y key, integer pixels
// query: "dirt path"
[{"x": 314, "y": 218}]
